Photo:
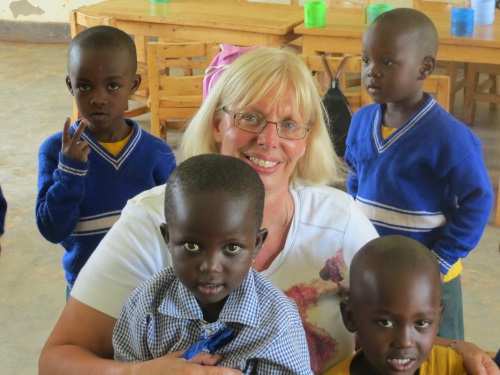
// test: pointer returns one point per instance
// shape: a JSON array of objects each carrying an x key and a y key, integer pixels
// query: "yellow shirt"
[
  {"x": 114, "y": 148},
  {"x": 441, "y": 361}
]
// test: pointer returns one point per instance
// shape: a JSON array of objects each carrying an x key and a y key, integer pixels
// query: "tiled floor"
[{"x": 34, "y": 103}]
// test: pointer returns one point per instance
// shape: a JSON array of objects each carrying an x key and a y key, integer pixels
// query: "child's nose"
[
  {"x": 403, "y": 337},
  {"x": 100, "y": 97},
  {"x": 211, "y": 262}
]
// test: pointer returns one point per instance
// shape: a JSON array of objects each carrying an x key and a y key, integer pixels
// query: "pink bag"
[{"x": 228, "y": 53}]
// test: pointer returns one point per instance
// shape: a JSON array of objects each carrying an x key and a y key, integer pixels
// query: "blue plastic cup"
[
  {"x": 462, "y": 21},
  {"x": 484, "y": 11}
]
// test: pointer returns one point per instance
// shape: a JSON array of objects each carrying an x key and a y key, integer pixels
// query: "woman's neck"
[{"x": 278, "y": 214}]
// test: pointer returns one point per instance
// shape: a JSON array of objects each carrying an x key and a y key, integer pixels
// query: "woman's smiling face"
[{"x": 272, "y": 157}]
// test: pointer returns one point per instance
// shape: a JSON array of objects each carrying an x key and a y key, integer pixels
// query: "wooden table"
[
  {"x": 345, "y": 28},
  {"x": 229, "y": 21}
]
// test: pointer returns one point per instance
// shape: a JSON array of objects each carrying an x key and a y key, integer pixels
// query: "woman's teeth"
[{"x": 262, "y": 163}]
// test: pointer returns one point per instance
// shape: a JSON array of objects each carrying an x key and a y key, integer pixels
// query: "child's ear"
[
  {"x": 259, "y": 241},
  {"x": 427, "y": 67},
  {"x": 136, "y": 82},
  {"x": 68, "y": 85},
  {"x": 347, "y": 314}
]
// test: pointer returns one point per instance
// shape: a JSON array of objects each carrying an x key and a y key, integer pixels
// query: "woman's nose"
[{"x": 269, "y": 135}]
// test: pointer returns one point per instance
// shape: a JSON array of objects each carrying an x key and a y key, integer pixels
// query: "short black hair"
[
  {"x": 215, "y": 172},
  {"x": 407, "y": 20},
  {"x": 392, "y": 255},
  {"x": 104, "y": 38}
]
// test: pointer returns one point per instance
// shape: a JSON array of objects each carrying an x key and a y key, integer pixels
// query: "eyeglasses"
[{"x": 254, "y": 122}]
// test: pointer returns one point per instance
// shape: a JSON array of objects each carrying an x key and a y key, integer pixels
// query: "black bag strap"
[{"x": 328, "y": 70}]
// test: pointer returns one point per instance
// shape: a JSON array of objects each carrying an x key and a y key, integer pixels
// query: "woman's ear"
[
  {"x": 427, "y": 67},
  {"x": 68, "y": 85},
  {"x": 216, "y": 128},
  {"x": 347, "y": 314}
]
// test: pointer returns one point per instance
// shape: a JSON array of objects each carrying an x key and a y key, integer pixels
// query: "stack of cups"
[{"x": 484, "y": 11}]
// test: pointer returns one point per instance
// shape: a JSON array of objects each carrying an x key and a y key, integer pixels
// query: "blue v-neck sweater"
[
  {"x": 77, "y": 202},
  {"x": 427, "y": 180}
]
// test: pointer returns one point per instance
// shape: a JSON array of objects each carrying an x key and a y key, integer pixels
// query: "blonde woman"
[{"x": 266, "y": 111}]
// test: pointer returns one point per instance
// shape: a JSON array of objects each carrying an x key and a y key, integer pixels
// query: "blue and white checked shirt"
[{"x": 162, "y": 316}]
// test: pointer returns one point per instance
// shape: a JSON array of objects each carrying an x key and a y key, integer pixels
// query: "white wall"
[{"x": 40, "y": 10}]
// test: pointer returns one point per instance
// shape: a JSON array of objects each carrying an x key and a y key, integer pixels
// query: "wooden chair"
[
  {"x": 175, "y": 82},
  {"x": 485, "y": 91},
  {"x": 350, "y": 81},
  {"x": 80, "y": 21}
]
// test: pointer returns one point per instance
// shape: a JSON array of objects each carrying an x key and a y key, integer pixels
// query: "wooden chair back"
[
  {"x": 350, "y": 81},
  {"x": 176, "y": 73}
]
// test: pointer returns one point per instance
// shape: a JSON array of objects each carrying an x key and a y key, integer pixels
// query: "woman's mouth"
[{"x": 266, "y": 164}]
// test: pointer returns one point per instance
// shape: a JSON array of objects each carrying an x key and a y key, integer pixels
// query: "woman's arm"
[
  {"x": 476, "y": 361},
  {"x": 80, "y": 343}
]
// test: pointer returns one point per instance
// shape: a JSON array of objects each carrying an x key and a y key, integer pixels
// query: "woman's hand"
[
  {"x": 202, "y": 364},
  {"x": 72, "y": 146},
  {"x": 476, "y": 361}
]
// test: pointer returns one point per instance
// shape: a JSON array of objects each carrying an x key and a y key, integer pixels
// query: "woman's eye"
[
  {"x": 388, "y": 63},
  {"x": 423, "y": 323},
  {"x": 233, "y": 249},
  {"x": 289, "y": 126},
  {"x": 191, "y": 247},
  {"x": 250, "y": 118},
  {"x": 385, "y": 323}
]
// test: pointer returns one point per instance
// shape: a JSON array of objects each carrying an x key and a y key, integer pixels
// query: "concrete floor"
[{"x": 34, "y": 103}]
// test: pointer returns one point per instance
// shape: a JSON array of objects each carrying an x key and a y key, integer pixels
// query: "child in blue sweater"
[
  {"x": 88, "y": 171},
  {"x": 415, "y": 169}
]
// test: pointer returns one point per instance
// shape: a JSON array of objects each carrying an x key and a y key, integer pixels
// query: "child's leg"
[{"x": 452, "y": 321}]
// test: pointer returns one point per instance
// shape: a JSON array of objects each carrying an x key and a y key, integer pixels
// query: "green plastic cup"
[
  {"x": 375, "y": 10},
  {"x": 314, "y": 13}
]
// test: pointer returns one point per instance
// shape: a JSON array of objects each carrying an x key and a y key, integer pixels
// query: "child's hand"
[
  {"x": 74, "y": 147},
  {"x": 174, "y": 364}
]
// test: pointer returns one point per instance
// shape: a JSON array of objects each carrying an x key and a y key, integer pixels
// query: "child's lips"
[{"x": 210, "y": 289}]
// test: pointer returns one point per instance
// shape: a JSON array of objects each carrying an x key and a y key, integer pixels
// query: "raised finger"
[
  {"x": 81, "y": 127},
  {"x": 66, "y": 136}
]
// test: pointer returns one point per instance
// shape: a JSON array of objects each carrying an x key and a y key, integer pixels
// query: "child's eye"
[
  {"x": 385, "y": 323},
  {"x": 83, "y": 87},
  {"x": 233, "y": 249},
  {"x": 423, "y": 323},
  {"x": 191, "y": 247},
  {"x": 388, "y": 63},
  {"x": 113, "y": 86}
]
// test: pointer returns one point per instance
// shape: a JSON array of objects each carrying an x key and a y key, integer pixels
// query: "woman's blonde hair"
[{"x": 249, "y": 79}]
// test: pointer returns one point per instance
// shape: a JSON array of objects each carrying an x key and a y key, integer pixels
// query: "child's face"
[
  {"x": 213, "y": 239},
  {"x": 392, "y": 67},
  {"x": 397, "y": 323},
  {"x": 101, "y": 82}
]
